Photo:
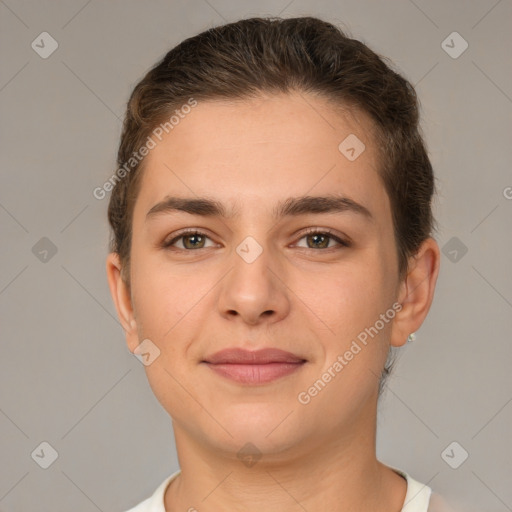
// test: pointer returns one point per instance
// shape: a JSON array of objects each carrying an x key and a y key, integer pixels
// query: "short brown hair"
[{"x": 305, "y": 54}]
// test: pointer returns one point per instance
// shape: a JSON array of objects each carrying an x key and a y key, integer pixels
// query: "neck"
[{"x": 337, "y": 472}]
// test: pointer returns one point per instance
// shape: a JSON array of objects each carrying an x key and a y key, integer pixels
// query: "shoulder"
[
  {"x": 418, "y": 495},
  {"x": 421, "y": 498}
]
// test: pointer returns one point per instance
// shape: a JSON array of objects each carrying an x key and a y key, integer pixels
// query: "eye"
[
  {"x": 192, "y": 239},
  {"x": 320, "y": 239}
]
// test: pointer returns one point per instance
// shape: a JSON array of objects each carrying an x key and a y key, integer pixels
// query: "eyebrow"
[{"x": 293, "y": 206}]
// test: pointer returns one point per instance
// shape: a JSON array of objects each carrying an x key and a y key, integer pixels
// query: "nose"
[{"x": 254, "y": 290}]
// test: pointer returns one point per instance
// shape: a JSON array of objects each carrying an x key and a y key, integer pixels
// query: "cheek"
[
  {"x": 351, "y": 302},
  {"x": 165, "y": 293},
  {"x": 169, "y": 315},
  {"x": 347, "y": 298},
  {"x": 173, "y": 304}
]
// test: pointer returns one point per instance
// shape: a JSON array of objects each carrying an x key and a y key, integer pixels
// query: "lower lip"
[{"x": 255, "y": 373}]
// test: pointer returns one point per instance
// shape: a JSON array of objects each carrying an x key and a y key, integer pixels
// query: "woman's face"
[{"x": 256, "y": 279}]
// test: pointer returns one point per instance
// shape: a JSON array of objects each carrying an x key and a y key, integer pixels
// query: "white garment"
[{"x": 416, "y": 500}]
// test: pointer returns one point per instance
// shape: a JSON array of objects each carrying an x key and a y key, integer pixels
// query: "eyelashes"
[
  {"x": 184, "y": 234},
  {"x": 324, "y": 234}
]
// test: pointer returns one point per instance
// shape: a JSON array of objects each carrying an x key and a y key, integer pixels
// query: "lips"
[{"x": 254, "y": 367}]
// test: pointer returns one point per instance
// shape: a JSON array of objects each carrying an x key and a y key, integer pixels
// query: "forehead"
[{"x": 251, "y": 154}]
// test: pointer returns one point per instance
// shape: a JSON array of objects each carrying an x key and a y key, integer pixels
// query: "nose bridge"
[
  {"x": 252, "y": 288},
  {"x": 251, "y": 260}
]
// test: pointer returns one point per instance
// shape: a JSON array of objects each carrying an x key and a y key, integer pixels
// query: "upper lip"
[{"x": 263, "y": 356}]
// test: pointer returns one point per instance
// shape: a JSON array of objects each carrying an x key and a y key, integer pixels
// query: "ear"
[
  {"x": 416, "y": 292},
  {"x": 121, "y": 296}
]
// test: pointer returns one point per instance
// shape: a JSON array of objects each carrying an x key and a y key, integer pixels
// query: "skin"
[{"x": 295, "y": 296}]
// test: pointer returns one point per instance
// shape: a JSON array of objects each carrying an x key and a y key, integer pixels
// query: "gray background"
[{"x": 66, "y": 375}]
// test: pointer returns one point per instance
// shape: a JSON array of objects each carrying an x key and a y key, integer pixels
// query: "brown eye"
[
  {"x": 191, "y": 240},
  {"x": 317, "y": 239}
]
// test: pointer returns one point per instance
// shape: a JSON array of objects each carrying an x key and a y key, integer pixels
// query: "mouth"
[{"x": 254, "y": 367}]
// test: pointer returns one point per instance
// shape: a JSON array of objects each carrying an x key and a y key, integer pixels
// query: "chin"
[{"x": 272, "y": 428}]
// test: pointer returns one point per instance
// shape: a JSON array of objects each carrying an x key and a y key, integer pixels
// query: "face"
[{"x": 309, "y": 280}]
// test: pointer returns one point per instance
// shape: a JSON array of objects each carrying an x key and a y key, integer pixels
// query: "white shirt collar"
[{"x": 416, "y": 499}]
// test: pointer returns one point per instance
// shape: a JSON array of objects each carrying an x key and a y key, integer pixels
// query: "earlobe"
[
  {"x": 416, "y": 292},
  {"x": 121, "y": 297}
]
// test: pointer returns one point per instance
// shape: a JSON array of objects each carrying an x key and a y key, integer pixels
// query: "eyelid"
[{"x": 169, "y": 241}]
